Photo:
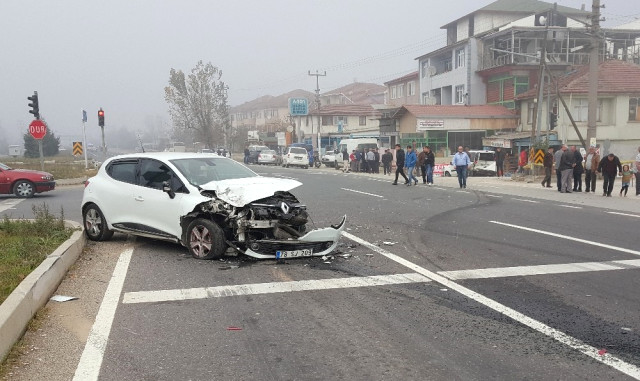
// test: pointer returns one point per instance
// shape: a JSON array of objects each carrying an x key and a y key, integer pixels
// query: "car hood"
[
  {"x": 240, "y": 192},
  {"x": 32, "y": 172}
]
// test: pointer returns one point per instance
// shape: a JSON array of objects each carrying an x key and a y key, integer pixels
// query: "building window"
[
  {"x": 634, "y": 109},
  {"x": 400, "y": 91},
  {"x": 460, "y": 58},
  {"x": 363, "y": 121},
  {"x": 460, "y": 94},
  {"x": 531, "y": 109},
  {"x": 393, "y": 92},
  {"x": 580, "y": 110},
  {"x": 447, "y": 65},
  {"x": 411, "y": 88},
  {"x": 327, "y": 120},
  {"x": 425, "y": 98},
  {"x": 338, "y": 118},
  {"x": 425, "y": 66}
]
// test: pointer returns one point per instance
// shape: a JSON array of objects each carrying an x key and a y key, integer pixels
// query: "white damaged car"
[{"x": 209, "y": 204}]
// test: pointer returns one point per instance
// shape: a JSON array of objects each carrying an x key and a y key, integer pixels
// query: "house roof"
[
  {"x": 525, "y": 7},
  {"x": 614, "y": 77},
  {"x": 360, "y": 92},
  {"x": 457, "y": 111},
  {"x": 350, "y": 109},
  {"x": 413, "y": 75},
  {"x": 270, "y": 101}
]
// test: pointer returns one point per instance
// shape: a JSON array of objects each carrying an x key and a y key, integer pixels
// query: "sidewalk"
[{"x": 530, "y": 188}]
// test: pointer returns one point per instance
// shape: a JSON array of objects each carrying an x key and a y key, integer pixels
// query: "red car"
[{"x": 24, "y": 182}]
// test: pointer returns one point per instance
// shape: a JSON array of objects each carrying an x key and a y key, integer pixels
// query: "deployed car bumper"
[{"x": 315, "y": 243}]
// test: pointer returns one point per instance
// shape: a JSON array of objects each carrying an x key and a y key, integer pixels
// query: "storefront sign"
[
  {"x": 504, "y": 143},
  {"x": 429, "y": 124}
]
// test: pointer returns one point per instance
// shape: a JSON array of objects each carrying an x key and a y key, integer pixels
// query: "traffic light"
[
  {"x": 553, "y": 120},
  {"x": 101, "y": 118},
  {"x": 35, "y": 108}
]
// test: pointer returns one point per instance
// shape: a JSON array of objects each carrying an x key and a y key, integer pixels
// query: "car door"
[
  {"x": 116, "y": 191},
  {"x": 156, "y": 212}
]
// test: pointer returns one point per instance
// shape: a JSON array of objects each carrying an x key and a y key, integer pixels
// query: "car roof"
[{"x": 165, "y": 156}]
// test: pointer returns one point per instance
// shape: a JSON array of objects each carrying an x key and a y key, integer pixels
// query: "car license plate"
[
  {"x": 298, "y": 157},
  {"x": 294, "y": 253}
]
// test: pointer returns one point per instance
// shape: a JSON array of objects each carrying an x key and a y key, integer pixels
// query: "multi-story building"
[
  {"x": 403, "y": 91},
  {"x": 266, "y": 114},
  {"x": 448, "y": 76}
]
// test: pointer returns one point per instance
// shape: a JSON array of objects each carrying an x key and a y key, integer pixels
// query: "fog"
[{"x": 117, "y": 54}]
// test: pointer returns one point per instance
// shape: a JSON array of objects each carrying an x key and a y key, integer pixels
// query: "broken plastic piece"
[
  {"x": 389, "y": 243},
  {"x": 62, "y": 298},
  {"x": 234, "y": 329},
  {"x": 602, "y": 352}
]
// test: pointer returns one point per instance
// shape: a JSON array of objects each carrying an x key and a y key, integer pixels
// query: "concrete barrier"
[{"x": 35, "y": 290}]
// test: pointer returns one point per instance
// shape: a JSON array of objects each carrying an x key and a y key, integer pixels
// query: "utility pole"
[
  {"x": 594, "y": 61},
  {"x": 318, "y": 75}
]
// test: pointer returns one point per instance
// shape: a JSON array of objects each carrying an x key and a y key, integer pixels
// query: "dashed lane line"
[
  {"x": 503, "y": 272},
  {"x": 570, "y": 206},
  {"x": 625, "y": 214},
  {"x": 270, "y": 288},
  {"x": 10, "y": 204},
  {"x": 365, "y": 193},
  {"x": 605, "y": 358},
  {"x": 525, "y": 200},
  {"x": 593, "y": 243}
]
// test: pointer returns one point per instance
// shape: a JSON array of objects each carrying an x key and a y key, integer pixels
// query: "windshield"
[
  {"x": 259, "y": 148},
  {"x": 4, "y": 167},
  {"x": 200, "y": 171},
  {"x": 486, "y": 156}
]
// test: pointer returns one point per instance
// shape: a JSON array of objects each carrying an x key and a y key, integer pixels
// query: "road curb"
[{"x": 35, "y": 290}]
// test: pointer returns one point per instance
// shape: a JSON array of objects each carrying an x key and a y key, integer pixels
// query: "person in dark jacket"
[
  {"x": 387, "y": 158},
  {"x": 376, "y": 164},
  {"x": 548, "y": 165},
  {"x": 566, "y": 168},
  {"x": 400, "y": 165},
  {"x": 499, "y": 162},
  {"x": 577, "y": 170},
  {"x": 609, "y": 167}
]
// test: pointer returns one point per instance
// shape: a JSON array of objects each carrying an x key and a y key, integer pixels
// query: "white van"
[{"x": 360, "y": 144}]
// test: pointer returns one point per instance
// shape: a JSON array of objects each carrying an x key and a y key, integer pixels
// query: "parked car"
[
  {"x": 269, "y": 157},
  {"x": 483, "y": 163},
  {"x": 208, "y": 203},
  {"x": 24, "y": 182},
  {"x": 254, "y": 151},
  {"x": 297, "y": 156}
]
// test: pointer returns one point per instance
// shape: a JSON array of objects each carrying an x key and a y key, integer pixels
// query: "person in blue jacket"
[{"x": 410, "y": 163}]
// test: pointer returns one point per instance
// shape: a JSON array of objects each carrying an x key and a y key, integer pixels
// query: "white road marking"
[
  {"x": 625, "y": 214},
  {"x": 368, "y": 194},
  {"x": 570, "y": 206},
  {"x": 493, "y": 195},
  {"x": 91, "y": 360},
  {"x": 617, "y": 248},
  {"x": 462, "y": 191},
  {"x": 270, "y": 288},
  {"x": 525, "y": 200},
  {"x": 10, "y": 203},
  {"x": 501, "y": 272},
  {"x": 613, "y": 361},
  {"x": 439, "y": 188}
]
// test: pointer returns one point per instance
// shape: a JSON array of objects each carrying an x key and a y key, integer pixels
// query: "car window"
[
  {"x": 364, "y": 146},
  {"x": 154, "y": 173},
  {"x": 269, "y": 152},
  {"x": 295, "y": 150},
  {"x": 486, "y": 156},
  {"x": 123, "y": 171},
  {"x": 199, "y": 171},
  {"x": 4, "y": 167}
]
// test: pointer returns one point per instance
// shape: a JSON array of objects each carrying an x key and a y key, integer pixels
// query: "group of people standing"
[
  {"x": 424, "y": 161},
  {"x": 570, "y": 165}
]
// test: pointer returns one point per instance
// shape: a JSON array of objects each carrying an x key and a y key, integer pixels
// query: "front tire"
[
  {"x": 24, "y": 189},
  {"x": 205, "y": 239},
  {"x": 95, "y": 225}
]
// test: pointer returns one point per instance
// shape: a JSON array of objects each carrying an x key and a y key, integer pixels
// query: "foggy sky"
[{"x": 117, "y": 54}]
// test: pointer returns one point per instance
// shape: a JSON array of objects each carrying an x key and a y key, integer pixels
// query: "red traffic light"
[{"x": 100, "y": 113}]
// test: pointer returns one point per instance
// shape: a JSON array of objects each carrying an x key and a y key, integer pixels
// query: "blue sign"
[{"x": 298, "y": 106}]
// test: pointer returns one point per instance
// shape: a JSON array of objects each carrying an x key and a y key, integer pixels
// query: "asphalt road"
[{"x": 428, "y": 283}]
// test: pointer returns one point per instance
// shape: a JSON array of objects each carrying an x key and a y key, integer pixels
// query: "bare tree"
[{"x": 198, "y": 103}]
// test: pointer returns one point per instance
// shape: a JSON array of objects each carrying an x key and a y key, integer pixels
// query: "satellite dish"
[
  {"x": 542, "y": 20},
  {"x": 432, "y": 70}
]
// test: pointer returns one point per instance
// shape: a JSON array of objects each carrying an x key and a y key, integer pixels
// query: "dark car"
[
  {"x": 254, "y": 151},
  {"x": 24, "y": 182}
]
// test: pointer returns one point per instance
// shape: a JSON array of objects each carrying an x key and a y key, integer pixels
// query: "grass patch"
[
  {"x": 24, "y": 244},
  {"x": 61, "y": 167}
]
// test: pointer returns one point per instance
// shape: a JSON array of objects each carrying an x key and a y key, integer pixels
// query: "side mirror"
[{"x": 167, "y": 189}]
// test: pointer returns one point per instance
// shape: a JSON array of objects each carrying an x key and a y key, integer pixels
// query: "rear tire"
[
  {"x": 205, "y": 239},
  {"x": 95, "y": 225}
]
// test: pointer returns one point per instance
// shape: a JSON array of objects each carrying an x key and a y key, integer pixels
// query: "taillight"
[
  {"x": 86, "y": 183},
  {"x": 259, "y": 156}
]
